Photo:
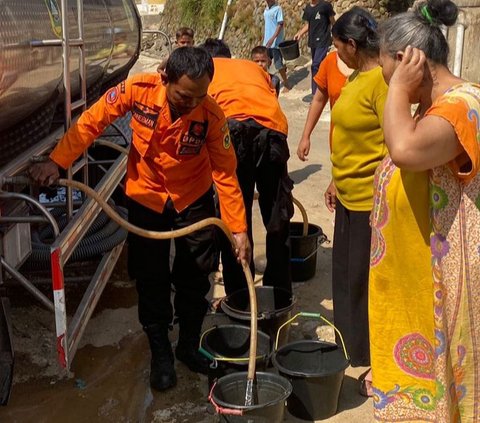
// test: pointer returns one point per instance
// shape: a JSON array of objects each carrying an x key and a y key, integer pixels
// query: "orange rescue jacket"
[
  {"x": 178, "y": 159},
  {"x": 243, "y": 90}
]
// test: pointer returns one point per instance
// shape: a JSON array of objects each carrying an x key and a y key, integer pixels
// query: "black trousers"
[
  {"x": 196, "y": 255},
  {"x": 262, "y": 156},
  {"x": 351, "y": 260}
]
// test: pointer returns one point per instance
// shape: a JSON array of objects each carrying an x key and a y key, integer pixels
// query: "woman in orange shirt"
[{"x": 330, "y": 79}]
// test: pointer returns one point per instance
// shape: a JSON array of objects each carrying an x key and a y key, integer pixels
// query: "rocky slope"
[{"x": 245, "y": 23}]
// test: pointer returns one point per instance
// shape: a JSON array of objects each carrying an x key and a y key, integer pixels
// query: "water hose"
[
  {"x": 304, "y": 215},
  {"x": 103, "y": 235},
  {"x": 179, "y": 233}
]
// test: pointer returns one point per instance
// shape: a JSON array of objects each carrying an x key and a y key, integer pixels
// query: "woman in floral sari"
[{"x": 424, "y": 286}]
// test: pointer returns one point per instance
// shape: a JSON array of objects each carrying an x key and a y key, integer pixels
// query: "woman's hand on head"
[{"x": 410, "y": 72}]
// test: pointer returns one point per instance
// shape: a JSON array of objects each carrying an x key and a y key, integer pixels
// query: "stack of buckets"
[
  {"x": 310, "y": 375},
  {"x": 229, "y": 347},
  {"x": 310, "y": 372}
]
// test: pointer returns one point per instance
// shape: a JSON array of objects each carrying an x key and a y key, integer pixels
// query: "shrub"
[{"x": 202, "y": 12}]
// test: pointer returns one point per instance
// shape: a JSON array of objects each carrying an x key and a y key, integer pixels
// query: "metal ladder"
[
  {"x": 81, "y": 104},
  {"x": 68, "y": 335}
]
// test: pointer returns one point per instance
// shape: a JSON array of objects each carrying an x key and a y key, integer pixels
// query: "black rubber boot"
[
  {"x": 187, "y": 347},
  {"x": 162, "y": 372}
]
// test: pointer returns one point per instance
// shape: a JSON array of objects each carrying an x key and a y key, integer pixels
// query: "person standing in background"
[
  {"x": 273, "y": 35},
  {"x": 184, "y": 37},
  {"x": 319, "y": 17},
  {"x": 260, "y": 56},
  {"x": 330, "y": 79}
]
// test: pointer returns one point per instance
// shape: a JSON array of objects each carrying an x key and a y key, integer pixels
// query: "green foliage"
[
  {"x": 243, "y": 16},
  {"x": 214, "y": 10},
  {"x": 190, "y": 9},
  {"x": 203, "y": 12}
]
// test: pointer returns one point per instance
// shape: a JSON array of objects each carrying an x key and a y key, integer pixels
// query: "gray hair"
[{"x": 420, "y": 28}]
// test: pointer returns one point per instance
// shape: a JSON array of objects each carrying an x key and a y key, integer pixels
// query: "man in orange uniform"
[
  {"x": 259, "y": 134},
  {"x": 180, "y": 146}
]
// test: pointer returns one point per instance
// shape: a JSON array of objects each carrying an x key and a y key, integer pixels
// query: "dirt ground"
[{"x": 108, "y": 381}]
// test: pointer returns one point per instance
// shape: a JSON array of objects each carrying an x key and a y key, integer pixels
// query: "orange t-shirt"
[
  {"x": 330, "y": 80},
  {"x": 455, "y": 106},
  {"x": 243, "y": 91},
  {"x": 178, "y": 159}
]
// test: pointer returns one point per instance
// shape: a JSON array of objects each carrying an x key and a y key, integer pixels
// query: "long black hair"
[{"x": 360, "y": 26}]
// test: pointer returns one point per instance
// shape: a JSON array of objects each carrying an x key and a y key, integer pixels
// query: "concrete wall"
[{"x": 470, "y": 63}]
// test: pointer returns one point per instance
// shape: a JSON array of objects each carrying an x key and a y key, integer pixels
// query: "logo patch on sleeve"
[
  {"x": 227, "y": 142},
  {"x": 112, "y": 95}
]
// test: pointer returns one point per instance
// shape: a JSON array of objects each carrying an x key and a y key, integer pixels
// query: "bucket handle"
[
  {"x": 223, "y": 410},
  {"x": 312, "y": 316},
  {"x": 322, "y": 238},
  {"x": 216, "y": 359}
]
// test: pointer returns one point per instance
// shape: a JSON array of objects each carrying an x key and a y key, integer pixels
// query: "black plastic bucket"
[
  {"x": 316, "y": 370},
  {"x": 233, "y": 342},
  {"x": 274, "y": 307},
  {"x": 228, "y": 398},
  {"x": 304, "y": 250},
  {"x": 289, "y": 49}
]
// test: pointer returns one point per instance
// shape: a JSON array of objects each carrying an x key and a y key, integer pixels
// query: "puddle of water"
[
  {"x": 109, "y": 384},
  {"x": 109, "y": 380}
]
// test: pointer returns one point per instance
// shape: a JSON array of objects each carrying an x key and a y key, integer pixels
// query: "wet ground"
[{"x": 108, "y": 381}]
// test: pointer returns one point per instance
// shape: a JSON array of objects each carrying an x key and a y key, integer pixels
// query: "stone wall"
[{"x": 245, "y": 25}]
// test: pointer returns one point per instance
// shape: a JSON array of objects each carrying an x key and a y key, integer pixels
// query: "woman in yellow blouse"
[{"x": 357, "y": 149}]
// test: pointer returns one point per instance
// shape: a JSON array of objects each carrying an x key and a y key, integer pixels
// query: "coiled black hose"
[{"x": 103, "y": 235}]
